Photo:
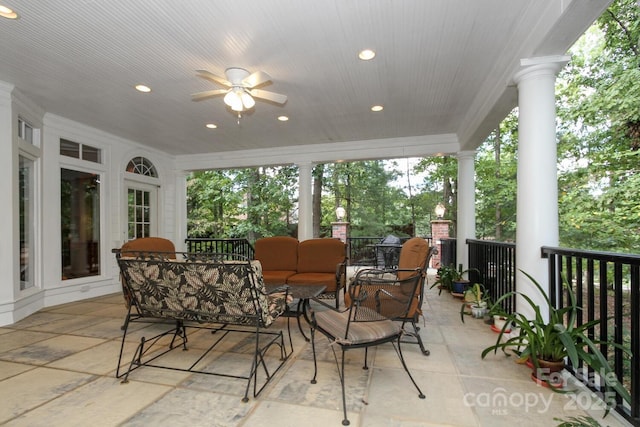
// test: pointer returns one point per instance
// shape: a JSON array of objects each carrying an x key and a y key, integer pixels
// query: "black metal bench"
[{"x": 222, "y": 293}]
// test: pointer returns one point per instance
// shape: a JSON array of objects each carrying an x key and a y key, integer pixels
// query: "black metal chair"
[{"x": 366, "y": 322}]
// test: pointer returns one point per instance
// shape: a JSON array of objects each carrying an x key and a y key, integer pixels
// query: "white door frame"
[{"x": 152, "y": 189}]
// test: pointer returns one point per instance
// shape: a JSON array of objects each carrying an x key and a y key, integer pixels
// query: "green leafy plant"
[
  {"x": 555, "y": 339},
  {"x": 577, "y": 422},
  {"x": 447, "y": 275},
  {"x": 475, "y": 296}
]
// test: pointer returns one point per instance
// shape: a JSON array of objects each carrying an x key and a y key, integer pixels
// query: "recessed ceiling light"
[
  {"x": 5, "y": 12},
  {"x": 377, "y": 108},
  {"x": 212, "y": 125},
  {"x": 283, "y": 118},
  {"x": 143, "y": 88},
  {"x": 366, "y": 54}
]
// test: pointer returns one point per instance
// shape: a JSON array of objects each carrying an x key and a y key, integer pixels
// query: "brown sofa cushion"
[
  {"x": 279, "y": 253},
  {"x": 150, "y": 244},
  {"x": 277, "y": 277},
  {"x": 320, "y": 255},
  {"x": 326, "y": 279}
]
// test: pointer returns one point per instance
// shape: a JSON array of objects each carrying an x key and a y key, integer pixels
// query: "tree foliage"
[
  {"x": 496, "y": 166},
  {"x": 599, "y": 135},
  {"x": 242, "y": 203},
  {"x": 364, "y": 189}
]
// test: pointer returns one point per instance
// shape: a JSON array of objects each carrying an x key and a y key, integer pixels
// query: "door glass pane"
[
  {"x": 80, "y": 213},
  {"x": 139, "y": 213},
  {"x": 26, "y": 207}
]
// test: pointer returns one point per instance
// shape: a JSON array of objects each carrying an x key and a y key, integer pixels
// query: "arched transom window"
[{"x": 142, "y": 166}]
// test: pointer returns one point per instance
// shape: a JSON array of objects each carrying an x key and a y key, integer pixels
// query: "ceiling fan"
[{"x": 242, "y": 88}]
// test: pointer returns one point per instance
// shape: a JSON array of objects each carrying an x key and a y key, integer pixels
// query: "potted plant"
[
  {"x": 459, "y": 284},
  {"x": 476, "y": 302},
  {"x": 548, "y": 342},
  {"x": 444, "y": 277}
]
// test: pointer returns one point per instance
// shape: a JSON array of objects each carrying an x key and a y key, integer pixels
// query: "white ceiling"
[{"x": 442, "y": 67}]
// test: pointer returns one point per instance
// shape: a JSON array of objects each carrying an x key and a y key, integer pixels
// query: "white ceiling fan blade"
[
  {"x": 210, "y": 76},
  {"x": 256, "y": 79},
  {"x": 269, "y": 96},
  {"x": 207, "y": 94}
]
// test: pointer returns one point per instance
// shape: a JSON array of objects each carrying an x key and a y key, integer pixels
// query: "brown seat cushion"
[
  {"x": 335, "y": 323},
  {"x": 150, "y": 244},
  {"x": 318, "y": 261},
  {"x": 276, "y": 277},
  {"x": 326, "y": 279},
  {"x": 320, "y": 255},
  {"x": 279, "y": 253},
  {"x": 414, "y": 254}
]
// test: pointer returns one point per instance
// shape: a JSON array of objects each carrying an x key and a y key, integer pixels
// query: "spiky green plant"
[{"x": 555, "y": 339}]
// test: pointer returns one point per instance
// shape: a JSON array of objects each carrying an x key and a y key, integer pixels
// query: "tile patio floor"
[{"x": 57, "y": 369}]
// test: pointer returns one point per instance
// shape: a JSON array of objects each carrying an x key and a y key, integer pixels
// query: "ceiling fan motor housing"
[{"x": 236, "y": 76}]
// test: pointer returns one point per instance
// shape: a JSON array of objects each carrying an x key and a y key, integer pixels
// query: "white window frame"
[
  {"x": 31, "y": 151},
  {"x": 104, "y": 249}
]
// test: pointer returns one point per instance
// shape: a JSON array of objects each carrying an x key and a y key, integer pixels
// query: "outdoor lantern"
[
  {"x": 340, "y": 212},
  {"x": 439, "y": 210}
]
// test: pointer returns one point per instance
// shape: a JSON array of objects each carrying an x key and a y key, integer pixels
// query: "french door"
[{"x": 142, "y": 210}]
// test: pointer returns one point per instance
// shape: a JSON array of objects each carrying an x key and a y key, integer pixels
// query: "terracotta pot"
[{"x": 548, "y": 373}]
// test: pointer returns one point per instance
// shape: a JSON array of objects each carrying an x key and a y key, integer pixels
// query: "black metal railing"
[
  {"x": 220, "y": 246},
  {"x": 494, "y": 265},
  {"x": 448, "y": 251},
  {"x": 607, "y": 287},
  {"x": 362, "y": 250}
]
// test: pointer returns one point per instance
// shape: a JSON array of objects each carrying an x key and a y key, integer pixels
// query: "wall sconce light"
[
  {"x": 439, "y": 210},
  {"x": 340, "y": 213}
]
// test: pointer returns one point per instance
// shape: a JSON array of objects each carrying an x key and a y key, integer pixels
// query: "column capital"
[
  {"x": 469, "y": 154},
  {"x": 540, "y": 66}
]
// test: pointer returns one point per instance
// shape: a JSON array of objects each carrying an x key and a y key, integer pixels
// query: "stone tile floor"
[{"x": 57, "y": 368}]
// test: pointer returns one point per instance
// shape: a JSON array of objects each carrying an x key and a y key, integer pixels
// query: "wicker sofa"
[{"x": 286, "y": 260}]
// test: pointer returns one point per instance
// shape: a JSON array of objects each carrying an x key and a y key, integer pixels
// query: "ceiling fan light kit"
[{"x": 241, "y": 93}]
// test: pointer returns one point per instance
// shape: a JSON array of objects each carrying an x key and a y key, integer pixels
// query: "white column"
[
  {"x": 537, "y": 198},
  {"x": 305, "y": 200},
  {"x": 466, "y": 221},
  {"x": 180, "y": 231},
  {"x": 9, "y": 288}
]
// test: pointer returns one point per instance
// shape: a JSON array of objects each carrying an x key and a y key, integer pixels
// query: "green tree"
[
  {"x": 270, "y": 196},
  {"x": 441, "y": 182},
  {"x": 599, "y": 130},
  {"x": 247, "y": 203},
  {"x": 212, "y": 203},
  {"x": 496, "y": 167},
  {"x": 373, "y": 206}
]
